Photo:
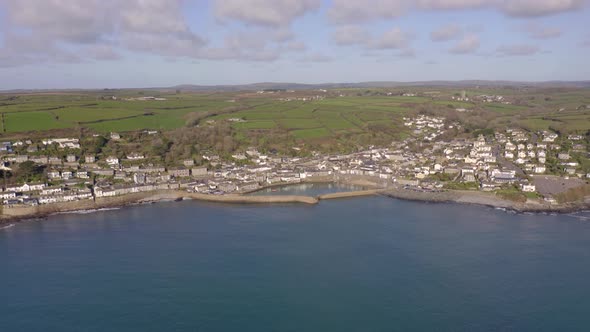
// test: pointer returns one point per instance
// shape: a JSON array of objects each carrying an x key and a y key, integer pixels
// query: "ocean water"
[
  {"x": 361, "y": 264},
  {"x": 307, "y": 189}
]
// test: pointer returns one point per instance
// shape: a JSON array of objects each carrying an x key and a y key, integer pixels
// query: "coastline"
[
  {"x": 17, "y": 214},
  {"x": 484, "y": 199}
]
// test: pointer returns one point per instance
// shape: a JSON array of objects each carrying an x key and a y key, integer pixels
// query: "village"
[{"x": 513, "y": 159}]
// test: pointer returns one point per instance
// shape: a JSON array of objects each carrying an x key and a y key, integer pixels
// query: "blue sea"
[{"x": 359, "y": 264}]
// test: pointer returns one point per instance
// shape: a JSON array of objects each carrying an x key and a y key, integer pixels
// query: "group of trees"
[{"x": 27, "y": 171}]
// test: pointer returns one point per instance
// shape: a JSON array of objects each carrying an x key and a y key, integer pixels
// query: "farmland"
[{"x": 301, "y": 115}]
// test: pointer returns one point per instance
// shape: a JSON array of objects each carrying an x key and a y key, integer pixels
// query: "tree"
[
  {"x": 29, "y": 171},
  {"x": 94, "y": 144}
]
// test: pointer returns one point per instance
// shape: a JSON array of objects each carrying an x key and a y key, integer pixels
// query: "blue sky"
[{"x": 145, "y": 43}]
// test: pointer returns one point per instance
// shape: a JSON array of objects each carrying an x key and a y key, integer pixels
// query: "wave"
[
  {"x": 7, "y": 226},
  {"x": 88, "y": 211},
  {"x": 579, "y": 217}
]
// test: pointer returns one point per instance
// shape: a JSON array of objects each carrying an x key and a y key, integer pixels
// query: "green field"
[
  {"x": 29, "y": 121},
  {"x": 360, "y": 113},
  {"x": 255, "y": 125},
  {"x": 311, "y": 133}
]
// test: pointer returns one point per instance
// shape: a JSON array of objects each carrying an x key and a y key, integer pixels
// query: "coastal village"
[{"x": 510, "y": 161}]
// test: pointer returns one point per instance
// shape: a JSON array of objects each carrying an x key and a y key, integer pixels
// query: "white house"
[
  {"x": 113, "y": 161},
  {"x": 529, "y": 188}
]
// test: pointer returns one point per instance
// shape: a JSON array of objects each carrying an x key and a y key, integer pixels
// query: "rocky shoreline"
[
  {"x": 484, "y": 199},
  {"x": 11, "y": 215}
]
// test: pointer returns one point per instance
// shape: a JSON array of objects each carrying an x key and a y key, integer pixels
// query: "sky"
[{"x": 52, "y": 44}]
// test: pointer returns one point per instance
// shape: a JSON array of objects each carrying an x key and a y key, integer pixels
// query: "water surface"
[
  {"x": 308, "y": 189},
  {"x": 362, "y": 264}
]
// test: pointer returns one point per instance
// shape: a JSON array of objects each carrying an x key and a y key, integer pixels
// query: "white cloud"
[
  {"x": 392, "y": 39},
  {"x": 57, "y": 18},
  {"x": 347, "y": 11},
  {"x": 102, "y": 52},
  {"x": 350, "y": 35},
  {"x": 517, "y": 50},
  {"x": 541, "y": 32},
  {"x": 273, "y": 13},
  {"x": 66, "y": 26},
  {"x": 468, "y": 44},
  {"x": 283, "y": 35},
  {"x": 450, "y": 4},
  {"x": 316, "y": 57},
  {"x": 407, "y": 53},
  {"x": 446, "y": 32},
  {"x": 295, "y": 46},
  {"x": 535, "y": 8},
  {"x": 352, "y": 12}
]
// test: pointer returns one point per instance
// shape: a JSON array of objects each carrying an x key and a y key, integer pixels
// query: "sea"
[{"x": 355, "y": 264}]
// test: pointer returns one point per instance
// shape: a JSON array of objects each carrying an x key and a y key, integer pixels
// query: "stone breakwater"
[{"x": 346, "y": 194}]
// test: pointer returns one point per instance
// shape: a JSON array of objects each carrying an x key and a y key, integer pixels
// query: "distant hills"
[
  {"x": 360, "y": 85},
  {"x": 378, "y": 84}
]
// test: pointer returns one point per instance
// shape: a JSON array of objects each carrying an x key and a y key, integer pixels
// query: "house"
[
  {"x": 67, "y": 175},
  {"x": 188, "y": 163},
  {"x": 405, "y": 182},
  {"x": 51, "y": 190},
  {"x": 105, "y": 192},
  {"x": 113, "y": 161},
  {"x": 7, "y": 195},
  {"x": 43, "y": 160},
  {"x": 563, "y": 156},
  {"x": 199, "y": 171},
  {"x": 247, "y": 186},
  {"x": 489, "y": 186},
  {"x": 89, "y": 159},
  {"x": 53, "y": 174},
  {"x": 227, "y": 186},
  {"x": 528, "y": 188},
  {"x": 103, "y": 172},
  {"x": 503, "y": 176},
  {"x": 30, "y": 201},
  {"x": 120, "y": 176},
  {"x": 451, "y": 171},
  {"x": 135, "y": 156},
  {"x": 139, "y": 178},
  {"x": 575, "y": 137},
  {"x": 21, "y": 159},
  {"x": 539, "y": 169},
  {"x": 115, "y": 136},
  {"x": 71, "y": 158},
  {"x": 6, "y": 147},
  {"x": 54, "y": 161},
  {"x": 27, "y": 187},
  {"x": 82, "y": 175},
  {"x": 179, "y": 172},
  {"x": 153, "y": 169}
]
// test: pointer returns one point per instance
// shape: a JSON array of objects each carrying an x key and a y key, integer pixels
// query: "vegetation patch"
[
  {"x": 311, "y": 133},
  {"x": 31, "y": 121}
]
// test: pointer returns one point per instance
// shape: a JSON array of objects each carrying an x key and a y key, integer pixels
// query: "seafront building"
[{"x": 420, "y": 162}]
